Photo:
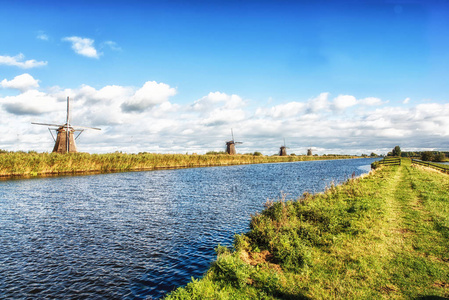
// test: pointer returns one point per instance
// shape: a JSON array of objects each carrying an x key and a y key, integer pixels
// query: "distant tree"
[
  {"x": 257, "y": 153},
  {"x": 396, "y": 151},
  {"x": 373, "y": 154},
  {"x": 439, "y": 156},
  {"x": 309, "y": 152},
  {"x": 427, "y": 156}
]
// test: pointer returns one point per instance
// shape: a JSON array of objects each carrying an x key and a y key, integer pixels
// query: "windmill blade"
[
  {"x": 45, "y": 124},
  {"x": 238, "y": 142},
  {"x": 83, "y": 127}
]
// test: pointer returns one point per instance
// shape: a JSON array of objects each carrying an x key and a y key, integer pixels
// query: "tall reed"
[{"x": 34, "y": 164}]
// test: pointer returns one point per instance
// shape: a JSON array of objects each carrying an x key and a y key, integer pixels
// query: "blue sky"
[{"x": 175, "y": 76}]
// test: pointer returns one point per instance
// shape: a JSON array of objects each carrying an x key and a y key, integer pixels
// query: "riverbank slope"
[
  {"x": 21, "y": 164},
  {"x": 385, "y": 235}
]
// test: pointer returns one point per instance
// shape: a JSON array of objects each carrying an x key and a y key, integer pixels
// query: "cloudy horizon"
[{"x": 309, "y": 88}]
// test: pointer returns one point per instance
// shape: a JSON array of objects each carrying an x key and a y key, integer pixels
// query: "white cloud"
[
  {"x": 112, "y": 45},
  {"x": 283, "y": 110},
  {"x": 224, "y": 116},
  {"x": 21, "y": 82},
  {"x": 30, "y": 102},
  {"x": 406, "y": 100},
  {"x": 215, "y": 99},
  {"x": 318, "y": 104},
  {"x": 371, "y": 101},
  {"x": 150, "y": 95},
  {"x": 219, "y": 108},
  {"x": 18, "y": 61},
  {"x": 136, "y": 119},
  {"x": 343, "y": 101},
  {"x": 42, "y": 36},
  {"x": 83, "y": 46}
]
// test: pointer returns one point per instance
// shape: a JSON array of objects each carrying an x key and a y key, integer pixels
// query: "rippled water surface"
[{"x": 141, "y": 234}]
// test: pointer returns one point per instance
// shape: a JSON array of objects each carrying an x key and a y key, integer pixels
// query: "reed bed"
[{"x": 24, "y": 164}]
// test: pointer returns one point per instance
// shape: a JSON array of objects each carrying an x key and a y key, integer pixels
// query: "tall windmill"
[
  {"x": 65, "y": 140},
  {"x": 283, "y": 150},
  {"x": 230, "y": 145}
]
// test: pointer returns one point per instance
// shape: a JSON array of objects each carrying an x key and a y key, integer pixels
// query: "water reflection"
[{"x": 134, "y": 235}]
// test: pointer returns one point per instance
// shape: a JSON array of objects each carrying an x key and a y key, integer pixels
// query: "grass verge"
[{"x": 385, "y": 235}]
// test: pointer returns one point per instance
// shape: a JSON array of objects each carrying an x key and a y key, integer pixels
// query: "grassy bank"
[
  {"x": 34, "y": 164},
  {"x": 382, "y": 236}
]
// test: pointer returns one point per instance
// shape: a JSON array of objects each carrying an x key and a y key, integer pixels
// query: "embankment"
[
  {"x": 21, "y": 164},
  {"x": 385, "y": 235}
]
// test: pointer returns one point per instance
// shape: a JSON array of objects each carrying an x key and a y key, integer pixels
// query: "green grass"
[
  {"x": 383, "y": 236},
  {"x": 34, "y": 164},
  {"x": 435, "y": 165}
]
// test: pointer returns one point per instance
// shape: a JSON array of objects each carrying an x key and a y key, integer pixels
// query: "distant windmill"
[
  {"x": 65, "y": 141},
  {"x": 283, "y": 150},
  {"x": 230, "y": 145}
]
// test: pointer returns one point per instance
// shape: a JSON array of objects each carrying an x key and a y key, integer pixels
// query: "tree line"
[{"x": 435, "y": 156}]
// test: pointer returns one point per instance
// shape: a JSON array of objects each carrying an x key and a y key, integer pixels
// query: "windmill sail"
[{"x": 65, "y": 139}]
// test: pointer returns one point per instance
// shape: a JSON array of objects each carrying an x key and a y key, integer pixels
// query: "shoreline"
[
  {"x": 37, "y": 165},
  {"x": 375, "y": 236}
]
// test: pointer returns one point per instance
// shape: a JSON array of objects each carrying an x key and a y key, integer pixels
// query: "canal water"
[{"x": 137, "y": 235}]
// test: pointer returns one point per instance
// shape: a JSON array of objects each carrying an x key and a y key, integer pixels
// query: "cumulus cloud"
[
  {"x": 83, "y": 46},
  {"x": 217, "y": 108},
  {"x": 283, "y": 110},
  {"x": 21, "y": 82},
  {"x": 30, "y": 102},
  {"x": 406, "y": 100},
  {"x": 18, "y": 61},
  {"x": 148, "y": 96},
  {"x": 343, "y": 101},
  {"x": 371, "y": 101},
  {"x": 318, "y": 104},
  {"x": 223, "y": 116},
  {"x": 215, "y": 99},
  {"x": 137, "y": 119}
]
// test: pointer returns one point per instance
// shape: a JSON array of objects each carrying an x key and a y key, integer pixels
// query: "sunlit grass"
[
  {"x": 33, "y": 164},
  {"x": 384, "y": 236}
]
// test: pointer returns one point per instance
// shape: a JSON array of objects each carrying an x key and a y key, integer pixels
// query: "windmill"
[
  {"x": 230, "y": 145},
  {"x": 283, "y": 150},
  {"x": 65, "y": 140}
]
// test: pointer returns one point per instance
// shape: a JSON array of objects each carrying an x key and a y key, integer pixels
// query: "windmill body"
[
  {"x": 65, "y": 138},
  {"x": 62, "y": 145},
  {"x": 283, "y": 150},
  {"x": 230, "y": 145},
  {"x": 230, "y": 148}
]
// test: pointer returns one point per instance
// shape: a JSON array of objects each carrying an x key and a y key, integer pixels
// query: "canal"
[{"x": 138, "y": 235}]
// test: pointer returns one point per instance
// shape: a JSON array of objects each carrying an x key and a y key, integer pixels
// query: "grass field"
[
  {"x": 383, "y": 236},
  {"x": 35, "y": 164}
]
